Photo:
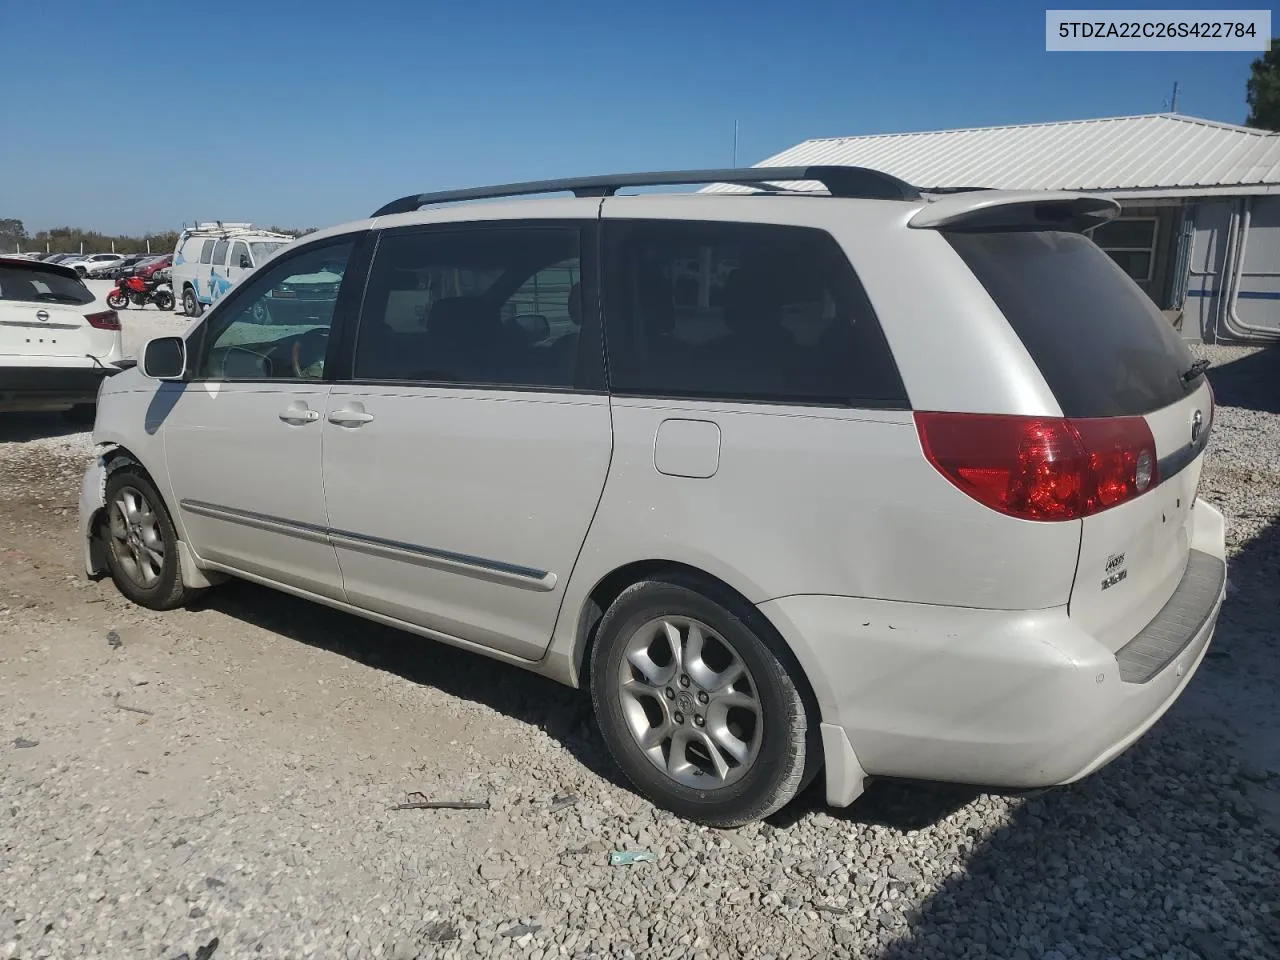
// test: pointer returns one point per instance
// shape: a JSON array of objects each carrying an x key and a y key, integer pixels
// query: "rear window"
[
  {"x": 1099, "y": 341},
  {"x": 41, "y": 286}
]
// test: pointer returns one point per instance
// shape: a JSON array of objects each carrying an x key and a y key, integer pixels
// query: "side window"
[
  {"x": 277, "y": 326},
  {"x": 475, "y": 305},
  {"x": 238, "y": 250},
  {"x": 206, "y": 252},
  {"x": 220, "y": 253},
  {"x": 739, "y": 311},
  {"x": 551, "y": 293}
]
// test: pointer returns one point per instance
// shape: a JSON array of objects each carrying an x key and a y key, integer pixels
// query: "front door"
[
  {"x": 238, "y": 261},
  {"x": 243, "y": 438},
  {"x": 465, "y": 457},
  {"x": 219, "y": 280}
]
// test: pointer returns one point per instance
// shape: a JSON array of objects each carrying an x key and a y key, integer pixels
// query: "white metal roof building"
[{"x": 1201, "y": 225}]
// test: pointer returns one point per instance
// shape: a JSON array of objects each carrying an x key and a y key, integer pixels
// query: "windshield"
[
  {"x": 41, "y": 286},
  {"x": 262, "y": 249}
]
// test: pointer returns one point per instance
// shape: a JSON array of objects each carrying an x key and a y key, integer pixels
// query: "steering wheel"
[{"x": 316, "y": 345}]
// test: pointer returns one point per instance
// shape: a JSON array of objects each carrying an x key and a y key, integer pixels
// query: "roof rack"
[
  {"x": 220, "y": 228},
  {"x": 859, "y": 182},
  {"x": 941, "y": 190}
]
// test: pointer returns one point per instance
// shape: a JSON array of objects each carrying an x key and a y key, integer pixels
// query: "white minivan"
[
  {"x": 881, "y": 482},
  {"x": 211, "y": 257}
]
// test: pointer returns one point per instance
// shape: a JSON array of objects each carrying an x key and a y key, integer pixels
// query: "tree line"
[{"x": 14, "y": 238}]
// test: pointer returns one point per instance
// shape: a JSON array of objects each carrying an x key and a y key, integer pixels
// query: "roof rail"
[
  {"x": 858, "y": 182},
  {"x": 945, "y": 190}
]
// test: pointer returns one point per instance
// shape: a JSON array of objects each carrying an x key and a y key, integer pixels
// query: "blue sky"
[{"x": 311, "y": 113}]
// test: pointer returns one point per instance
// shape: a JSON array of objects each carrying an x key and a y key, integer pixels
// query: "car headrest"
[
  {"x": 463, "y": 318},
  {"x": 752, "y": 300},
  {"x": 575, "y": 303}
]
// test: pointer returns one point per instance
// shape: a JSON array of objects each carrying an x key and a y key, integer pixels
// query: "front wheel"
[
  {"x": 190, "y": 305},
  {"x": 697, "y": 703},
  {"x": 164, "y": 299},
  {"x": 116, "y": 300},
  {"x": 142, "y": 546}
]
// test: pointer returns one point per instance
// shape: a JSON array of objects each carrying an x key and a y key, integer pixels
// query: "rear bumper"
[
  {"x": 999, "y": 698},
  {"x": 49, "y": 388}
]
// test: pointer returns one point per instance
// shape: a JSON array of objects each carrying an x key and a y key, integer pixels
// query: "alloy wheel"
[
  {"x": 690, "y": 702},
  {"x": 136, "y": 537}
]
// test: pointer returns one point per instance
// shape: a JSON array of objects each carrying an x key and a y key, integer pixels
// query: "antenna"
[
  {"x": 735, "y": 144},
  {"x": 1173, "y": 103}
]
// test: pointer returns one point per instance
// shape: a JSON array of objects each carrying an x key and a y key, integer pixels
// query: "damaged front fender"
[{"x": 93, "y": 503}]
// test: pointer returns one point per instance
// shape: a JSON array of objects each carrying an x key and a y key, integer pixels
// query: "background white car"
[
  {"x": 58, "y": 340},
  {"x": 94, "y": 264}
]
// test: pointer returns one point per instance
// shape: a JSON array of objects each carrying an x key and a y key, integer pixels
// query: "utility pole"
[
  {"x": 1173, "y": 103},
  {"x": 735, "y": 144}
]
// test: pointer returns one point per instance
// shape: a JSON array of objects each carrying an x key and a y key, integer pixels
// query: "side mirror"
[
  {"x": 533, "y": 325},
  {"x": 245, "y": 263},
  {"x": 165, "y": 358}
]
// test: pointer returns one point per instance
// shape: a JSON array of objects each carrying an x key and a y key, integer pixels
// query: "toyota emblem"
[
  {"x": 42, "y": 315},
  {"x": 1197, "y": 422}
]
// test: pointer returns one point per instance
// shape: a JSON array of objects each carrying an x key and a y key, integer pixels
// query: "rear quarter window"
[
  {"x": 1102, "y": 346},
  {"x": 741, "y": 312}
]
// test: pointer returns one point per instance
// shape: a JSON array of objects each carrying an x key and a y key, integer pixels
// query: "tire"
[
  {"x": 117, "y": 302},
  {"x": 81, "y": 272},
  {"x": 164, "y": 300},
  {"x": 762, "y": 715},
  {"x": 132, "y": 547},
  {"x": 190, "y": 304}
]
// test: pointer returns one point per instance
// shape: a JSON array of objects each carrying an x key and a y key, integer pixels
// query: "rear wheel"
[
  {"x": 142, "y": 547},
  {"x": 697, "y": 703},
  {"x": 164, "y": 300},
  {"x": 190, "y": 304}
]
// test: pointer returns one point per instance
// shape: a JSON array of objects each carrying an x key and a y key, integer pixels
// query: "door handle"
[
  {"x": 299, "y": 415},
  {"x": 349, "y": 418}
]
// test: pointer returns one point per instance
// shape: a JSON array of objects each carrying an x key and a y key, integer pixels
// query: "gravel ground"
[{"x": 227, "y": 772}]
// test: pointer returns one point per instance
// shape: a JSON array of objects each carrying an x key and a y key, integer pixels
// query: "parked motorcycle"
[{"x": 140, "y": 292}]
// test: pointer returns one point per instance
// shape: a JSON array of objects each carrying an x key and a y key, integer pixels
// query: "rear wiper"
[{"x": 1193, "y": 371}]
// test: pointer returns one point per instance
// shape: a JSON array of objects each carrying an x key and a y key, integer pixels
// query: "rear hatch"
[
  {"x": 47, "y": 312},
  {"x": 1125, "y": 379}
]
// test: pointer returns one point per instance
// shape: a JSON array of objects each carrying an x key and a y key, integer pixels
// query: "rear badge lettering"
[
  {"x": 1115, "y": 578},
  {"x": 1115, "y": 571}
]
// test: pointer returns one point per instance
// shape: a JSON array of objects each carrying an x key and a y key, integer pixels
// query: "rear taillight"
[
  {"x": 1041, "y": 468},
  {"x": 106, "y": 320}
]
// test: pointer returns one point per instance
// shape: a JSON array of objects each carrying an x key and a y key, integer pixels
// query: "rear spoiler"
[{"x": 1015, "y": 210}]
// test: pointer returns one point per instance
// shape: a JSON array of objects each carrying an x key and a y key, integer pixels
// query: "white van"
[
  {"x": 793, "y": 509},
  {"x": 211, "y": 257}
]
